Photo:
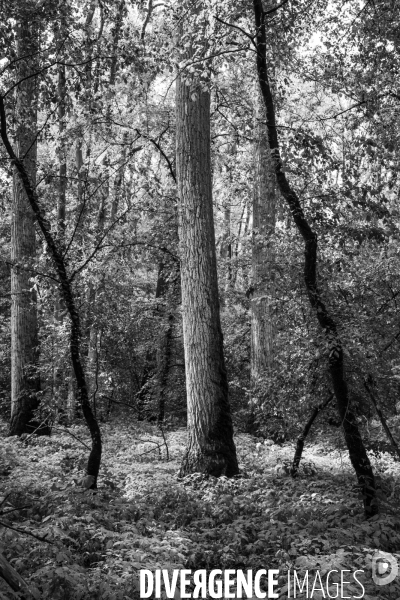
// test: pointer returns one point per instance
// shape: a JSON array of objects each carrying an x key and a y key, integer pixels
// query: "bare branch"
[
  {"x": 275, "y": 8},
  {"x": 161, "y": 151},
  {"x": 251, "y": 37}
]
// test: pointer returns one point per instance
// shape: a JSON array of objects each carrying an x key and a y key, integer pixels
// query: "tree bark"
[
  {"x": 59, "y": 378},
  {"x": 24, "y": 335},
  {"x": 226, "y": 237},
  {"x": 382, "y": 419},
  {"x": 93, "y": 345},
  {"x": 57, "y": 256},
  {"x": 263, "y": 285},
  {"x": 169, "y": 384},
  {"x": 355, "y": 445},
  {"x": 14, "y": 579},
  {"x": 210, "y": 446},
  {"x": 301, "y": 439}
]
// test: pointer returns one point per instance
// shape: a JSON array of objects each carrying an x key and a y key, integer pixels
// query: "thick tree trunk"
[
  {"x": 210, "y": 446},
  {"x": 263, "y": 285},
  {"x": 355, "y": 445},
  {"x": 24, "y": 335}
]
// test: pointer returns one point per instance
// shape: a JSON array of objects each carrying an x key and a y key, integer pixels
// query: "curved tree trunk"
[
  {"x": 24, "y": 336},
  {"x": 302, "y": 437},
  {"x": 355, "y": 445},
  {"x": 68, "y": 297},
  {"x": 210, "y": 446}
]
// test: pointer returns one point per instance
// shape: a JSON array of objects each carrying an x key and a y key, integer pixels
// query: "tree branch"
[
  {"x": 275, "y": 8},
  {"x": 251, "y": 37},
  {"x": 161, "y": 151}
]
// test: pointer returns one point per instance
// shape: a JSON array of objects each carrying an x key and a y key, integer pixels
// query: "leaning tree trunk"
[
  {"x": 57, "y": 256},
  {"x": 302, "y": 437},
  {"x": 263, "y": 286},
  {"x": 357, "y": 452},
  {"x": 24, "y": 335},
  {"x": 210, "y": 447}
]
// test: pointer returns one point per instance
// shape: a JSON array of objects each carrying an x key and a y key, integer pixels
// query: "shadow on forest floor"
[{"x": 143, "y": 517}]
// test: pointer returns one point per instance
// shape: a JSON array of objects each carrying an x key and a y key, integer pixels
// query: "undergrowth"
[{"x": 69, "y": 543}]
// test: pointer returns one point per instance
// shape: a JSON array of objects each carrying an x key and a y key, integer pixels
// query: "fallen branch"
[
  {"x": 73, "y": 435},
  {"x": 304, "y": 434},
  {"x": 25, "y": 532},
  {"x": 46, "y": 420},
  {"x": 3, "y": 514},
  {"x": 14, "y": 579},
  {"x": 157, "y": 446}
]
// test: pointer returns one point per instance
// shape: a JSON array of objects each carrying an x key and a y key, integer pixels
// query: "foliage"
[{"x": 143, "y": 517}]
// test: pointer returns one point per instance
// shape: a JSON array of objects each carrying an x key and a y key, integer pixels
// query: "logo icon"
[{"x": 384, "y": 568}]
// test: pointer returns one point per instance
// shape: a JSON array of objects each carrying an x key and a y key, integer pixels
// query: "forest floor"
[{"x": 144, "y": 517}]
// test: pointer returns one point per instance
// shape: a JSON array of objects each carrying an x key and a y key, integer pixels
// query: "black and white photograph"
[{"x": 199, "y": 299}]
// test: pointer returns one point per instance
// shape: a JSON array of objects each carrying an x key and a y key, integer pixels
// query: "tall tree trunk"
[
  {"x": 81, "y": 169},
  {"x": 57, "y": 256},
  {"x": 60, "y": 369},
  {"x": 357, "y": 452},
  {"x": 263, "y": 284},
  {"x": 226, "y": 240},
  {"x": 24, "y": 334},
  {"x": 210, "y": 446},
  {"x": 169, "y": 345},
  {"x": 93, "y": 345}
]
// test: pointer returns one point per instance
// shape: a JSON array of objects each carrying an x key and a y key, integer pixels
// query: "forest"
[{"x": 199, "y": 297}]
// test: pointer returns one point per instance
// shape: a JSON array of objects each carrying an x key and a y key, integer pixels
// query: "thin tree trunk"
[
  {"x": 62, "y": 170},
  {"x": 382, "y": 419},
  {"x": 93, "y": 347},
  {"x": 302, "y": 438},
  {"x": 226, "y": 241},
  {"x": 226, "y": 244},
  {"x": 169, "y": 348},
  {"x": 80, "y": 173},
  {"x": 24, "y": 335},
  {"x": 118, "y": 180},
  {"x": 60, "y": 388},
  {"x": 210, "y": 446},
  {"x": 263, "y": 285},
  {"x": 238, "y": 245},
  {"x": 358, "y": 455},
  {"x": 163, "y": 365},
  {"x": 57, "y": 256}
]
